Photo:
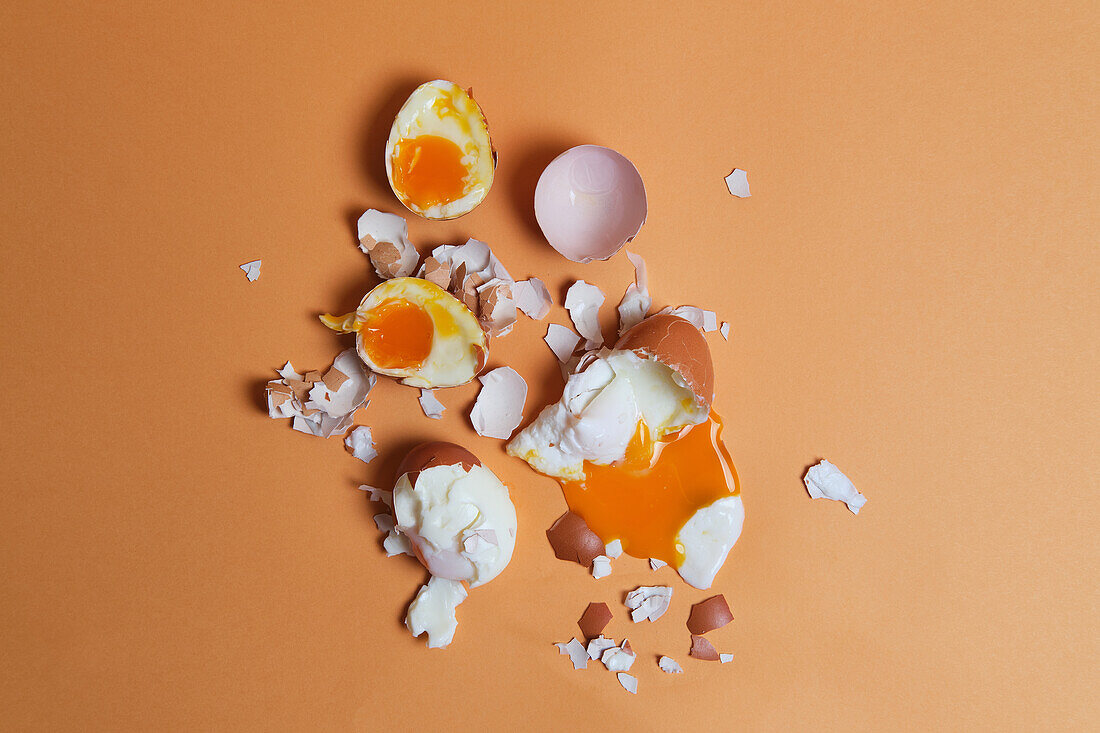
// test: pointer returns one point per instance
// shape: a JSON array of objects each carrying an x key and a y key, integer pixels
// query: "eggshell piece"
[
  {"x": 573, "y": 541},
  {"x": 436, "y": 453},
  {"x": 703, "y": 649},
  {"x": 677, "y": 344},
  {"x": 594, "y": 620},
  {"x": 589, "y": 202},
  {"x": 708, "y": 615}
]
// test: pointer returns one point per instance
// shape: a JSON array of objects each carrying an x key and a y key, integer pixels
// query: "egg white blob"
[
  {"x": 589, "y": 202},
  {"x": 599, "y": 411},
  {"x": 708, "y": 537},
  {"x": 462, "y": 523},
  {"x": 433, "y": 611}
]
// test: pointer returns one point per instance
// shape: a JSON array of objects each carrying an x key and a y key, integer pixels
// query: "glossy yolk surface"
[
  {"x": 397, "y": 334},
  {"x": 428, "y": 170},
  {"x": 647, "y": 497}
]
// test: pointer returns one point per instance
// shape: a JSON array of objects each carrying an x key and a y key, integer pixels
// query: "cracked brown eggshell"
[{"x": 677, "y": 344}]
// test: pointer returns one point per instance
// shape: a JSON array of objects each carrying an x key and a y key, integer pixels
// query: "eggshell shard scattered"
[
  {"x": 562, "y": 340},
  {"x": 315, "y": 407},
  {"x": 618, "y": 659},
  {"x": 384, "y": 496},
  {"x": 601, "y": 566},
  {"x": 589, "y": 202},
  {"x": 708, "y": 615},
  {"x": 431, "y": 406},
  {"x": 655, "y": 564},
  {"x": 613, "y": 549},
  {"x": 703, "y": 649},
  {"x": 473, "y": 274},
  {"x": 360, "y": 444},
  {"x": 532, "y": 298},
  {"x": 738, "y": 183},
  {"x": 573, "y": 541},
  {"x": 439, "y": 158},
  {"x": 442, "y": 498},
  {"x": 433, "y": 611},
  {"x": 629, "y": 683},
  {"x": 725, "y": 329},
  {"x": 648, "y": 602},
  {"x": 385, "y": 239},
  {"x": 725, "y": 658},
  {"x": 636, "y": 302},
  {"x": 252, "y": 270},
  {"x": 825, "y": 481},
  {"x": 594, "y": 620},
  {"x": 498, "y": 410},
  {"x": 669, "y": 665},
  {"x": 597, "y": 646},
  {"x": 583, "y": 302},
  {"x": 576, "y": 651},
  {"x": 415, "y": 331}
]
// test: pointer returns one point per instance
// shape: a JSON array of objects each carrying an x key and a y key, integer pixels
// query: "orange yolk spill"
[
  {"x": 397, "y": 335},
  {"x": 647, "y": 497},
  {"x": 428, "y": 170}
]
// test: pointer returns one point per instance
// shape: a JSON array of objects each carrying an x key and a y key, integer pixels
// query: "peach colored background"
[{"x": 912, "y": 290}]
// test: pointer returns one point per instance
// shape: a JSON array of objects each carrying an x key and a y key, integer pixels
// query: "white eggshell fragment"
[
  {"x": 498, "y": 410},
  {"x": 826, "y": 481},
  {"x": 738, "y": 183},
  {"x": 589, "y": 202}
]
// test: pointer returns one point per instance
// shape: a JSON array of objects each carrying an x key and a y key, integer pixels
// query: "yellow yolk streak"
[
  {"x": 428, "y": 171},
  {"x": 647, "y": 497},
  {"x": 397, "y": 334}
]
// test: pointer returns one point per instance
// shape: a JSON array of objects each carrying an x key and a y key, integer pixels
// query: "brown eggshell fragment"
[
  {"x": 573, "y": 541},
  {"x": 708, "y": 615},
  {"x": 437, "y": 272},
  {"x": 594, "y": 620},
  {"x": 703, "y": 649},
  {"x": 436, "y": 453},
  {"x": 678, "y": 345}
]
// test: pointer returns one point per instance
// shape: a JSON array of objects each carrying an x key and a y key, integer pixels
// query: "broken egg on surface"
[
  {"x": 638, "y": 450},
  {"x": 439, "y": 158},
  {"x": 589, "y": 202},
  {"x": 416, "y": 331},
  {"x": 456, "y": 513}
]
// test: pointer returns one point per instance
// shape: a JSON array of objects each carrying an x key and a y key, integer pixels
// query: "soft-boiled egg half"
[
  {"x": 439, "y": 158},
  {"x": 416, "y": 331},
  {"x": 639, "y": 453}
]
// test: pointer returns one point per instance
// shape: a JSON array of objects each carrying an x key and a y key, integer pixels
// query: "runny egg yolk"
[
  {"x": 647, "y": 497},
  {"x": 397, "y": 334},
  {"x": 428, "y": 171}
]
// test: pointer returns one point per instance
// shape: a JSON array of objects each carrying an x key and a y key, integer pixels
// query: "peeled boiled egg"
[
  {"x": 589, "y": 202},
  {"x": 416, "y": 331},
  {"x": 639, "y": 452},
  {"x": 456, "y": 513},
  {"x": 439, "y": 159}
]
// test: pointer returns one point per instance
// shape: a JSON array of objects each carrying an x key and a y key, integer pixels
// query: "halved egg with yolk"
[
  {"x": 439, "y": 158},
  {"x": 414, "y": 330}
]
